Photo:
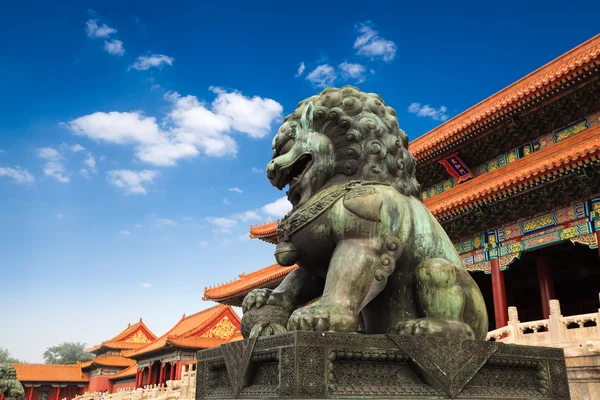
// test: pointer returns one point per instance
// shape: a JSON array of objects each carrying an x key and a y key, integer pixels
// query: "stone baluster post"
[
  {"x": 513, "y": 324},
  {"x": 185, "y": 384},
  {"x": 555, "y": 326}
]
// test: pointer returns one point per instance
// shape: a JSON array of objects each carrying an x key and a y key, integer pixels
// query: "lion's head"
[{"x": 341, "y": 134}]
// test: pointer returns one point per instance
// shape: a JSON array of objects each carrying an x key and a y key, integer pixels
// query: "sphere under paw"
[{"x": 267, "y": 315}]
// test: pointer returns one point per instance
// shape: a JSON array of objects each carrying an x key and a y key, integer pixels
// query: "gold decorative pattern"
[
  {"x": 515, "y": 247},
  {"x": 568, "y": 233},
  {"x": 508, "y": 259},
  {"x": 224, "y": 329},
  {"x": 537, "y": 223},
  {"x": 571, "y": 130},
  {"x": 139, "y": 337},
  {"x": 588, "y": 240}
]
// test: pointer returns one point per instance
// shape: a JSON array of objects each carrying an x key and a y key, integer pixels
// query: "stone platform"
[{"x": 338, "y": 365}]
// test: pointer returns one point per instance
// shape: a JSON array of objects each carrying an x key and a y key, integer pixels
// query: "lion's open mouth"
[{"x": 293, "y": 173}]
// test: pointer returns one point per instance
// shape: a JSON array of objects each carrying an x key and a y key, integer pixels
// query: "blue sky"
[{"x": 134, "y": 135}]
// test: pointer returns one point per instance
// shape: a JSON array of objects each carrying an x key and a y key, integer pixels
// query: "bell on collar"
[{"x": 286, "y": 254}]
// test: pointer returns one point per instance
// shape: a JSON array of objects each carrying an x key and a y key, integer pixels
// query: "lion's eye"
[{"x": 287, "y": 146}]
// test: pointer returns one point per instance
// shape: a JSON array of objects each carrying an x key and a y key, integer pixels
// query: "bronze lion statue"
[
  {"x": 10, "y": 387},
  {"x": 359, "y": 232}
]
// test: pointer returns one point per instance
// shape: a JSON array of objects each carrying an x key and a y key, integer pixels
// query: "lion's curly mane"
[{"x": 367, "y": 140}]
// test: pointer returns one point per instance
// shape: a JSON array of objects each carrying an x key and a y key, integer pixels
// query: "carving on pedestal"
[
  {"x": 237, "y": 360},
  {"x": 447, "y": 363}
]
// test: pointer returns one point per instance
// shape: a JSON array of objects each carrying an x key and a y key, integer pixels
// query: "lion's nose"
[{"x": 271, "y": 170}]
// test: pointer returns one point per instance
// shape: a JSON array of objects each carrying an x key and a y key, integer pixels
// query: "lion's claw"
[
  {"x": 256, "y": 299},
  {"x": 433, "y": 327},
  {"x": 322, "y": 318}
]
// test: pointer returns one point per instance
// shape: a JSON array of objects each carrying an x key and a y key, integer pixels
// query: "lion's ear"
[{"x": 307, "y": 117}]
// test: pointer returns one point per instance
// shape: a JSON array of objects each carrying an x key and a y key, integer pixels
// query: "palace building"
[
  {"x": 134, "y": 358},
  {"x": 109, "y": 360},
  {"x": 164, "y": 358},
  {"x": 515, "y": 182}
]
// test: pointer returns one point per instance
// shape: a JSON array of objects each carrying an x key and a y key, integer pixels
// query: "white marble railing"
[
  {"x": 556, "y": 331},
  {"x": 183, "y": 389}
]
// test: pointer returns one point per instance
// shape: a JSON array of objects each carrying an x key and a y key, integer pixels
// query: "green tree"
[
  {"x": 66, "y": 353},
  {"x": 5, "y": 357}
]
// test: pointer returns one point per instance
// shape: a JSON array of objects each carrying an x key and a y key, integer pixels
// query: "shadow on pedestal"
[{"x": 338, "y": 365}]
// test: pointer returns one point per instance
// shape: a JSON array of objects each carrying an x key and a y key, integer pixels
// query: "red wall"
[
  {"x": 121, "y": 385},
  {"x": 99, "y": 383},
  {"x": 68, "y": 392}
]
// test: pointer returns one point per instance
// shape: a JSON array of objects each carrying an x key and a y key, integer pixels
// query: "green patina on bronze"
[
  {"x": 10, "y": 387},
  {"x": 359, "y": 232}
]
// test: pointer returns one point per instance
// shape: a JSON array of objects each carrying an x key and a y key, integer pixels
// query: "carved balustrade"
[
  {"x": 183, "y": 389},
  {"x": 557, "y": 331}
]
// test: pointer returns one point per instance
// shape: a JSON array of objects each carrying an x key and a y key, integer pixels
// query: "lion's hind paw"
[{"x": 433, "y": 327}]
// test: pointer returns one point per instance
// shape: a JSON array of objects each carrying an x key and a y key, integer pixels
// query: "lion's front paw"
[
  {"x": 256, "y": 299},
  {"x": 323, "y": 318},
  {"x": 433, "y": 327}
]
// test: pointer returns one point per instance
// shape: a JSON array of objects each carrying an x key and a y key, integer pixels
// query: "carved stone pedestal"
[{"x": 338, "y": 365}]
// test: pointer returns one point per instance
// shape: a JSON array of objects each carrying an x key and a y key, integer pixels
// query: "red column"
[
  {"x": 598, "y": 240},
  {"x": 137, "y": 378},
  {"x": 499, "y": 292},
  {"x": 30, "y": 393},
  {"x": 546, "y": 284},
  {"x": 150, "y": 374},
  {"x": 57, "y": 393},
  {"x": 161, "y": 374},
  {"x": 172, "y": 371}
]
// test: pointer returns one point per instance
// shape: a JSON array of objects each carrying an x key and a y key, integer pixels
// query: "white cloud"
[
  {"x": 322, "y": 76},
  {"x": 131, "y": 181},
  {"x": 54, "y": 166},
  {"x": 18, "y": 174},
  {"x": 90, "y": 162},
  {"x": 125, "y": 233},
  {"x": 189, "y": 128},
  {"x": 138, "y": 225},
  {"x": 60, "y": 215},
  {"x": 278, "y": 208},
  {"x": 355, "y": 72},
  {"x": 76, "y": 148},
  {"x": 155, "y": 87},
  {"x": 226, "y": 201},
  {"x": 247, "y": 216},
  {"x": 114, "y": 47},
  {"x": 203, "y": 243},
  {"x": 144, "y": 63},
  {"x": 236, "y": 189},
  {"x": 370, "y": 44},
  {"x": 146, "y": 285},
  {"x": 249, "y": 115},
  {"x": 438, "y": 114},
  {"x": 257, "y": 170},
  {"x": 301, "y": 69},
  {"x": 96, "y": 31},
  {"x": 165, "y": 223},
  {"x": 223, "y": 222}
]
